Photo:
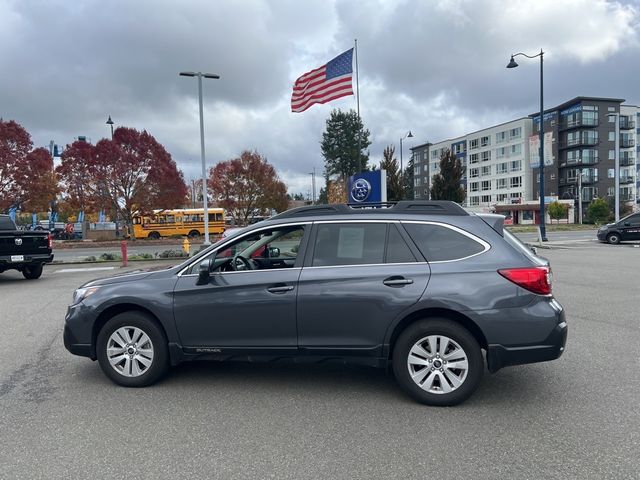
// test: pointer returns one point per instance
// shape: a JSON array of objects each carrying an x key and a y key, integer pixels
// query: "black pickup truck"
[{"x": 23, "y": 250}]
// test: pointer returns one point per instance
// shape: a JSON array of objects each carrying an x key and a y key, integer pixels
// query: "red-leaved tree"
[
  {"x": 36, "y": 181},
  {"x": 247, "y": 185},
  {"x": 77, "y": 172},
  {"x": 133, "y": 172},
  {"x": 15, "y": 144}
]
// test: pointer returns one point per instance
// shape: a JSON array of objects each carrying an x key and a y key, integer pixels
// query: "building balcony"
[
  {"x": 626, "y": 179},
  {"x": 578, "y": 142},
  {"x": 627, "y": 161},
  {"x": 626, "y": 197},
  {"x": 580, "y": 122},
  {"x": 579, "y": 161},
  {"x": 627, "y": 142},
  {"x": 626, "y": 124}
]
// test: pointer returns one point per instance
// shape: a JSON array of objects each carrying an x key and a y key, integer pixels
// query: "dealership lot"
[{"x": 576, "y": 417}]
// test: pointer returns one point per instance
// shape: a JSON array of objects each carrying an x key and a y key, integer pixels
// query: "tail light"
[
  {"x": 536, "y": 279},
  {"x": 50, "y": 240}
]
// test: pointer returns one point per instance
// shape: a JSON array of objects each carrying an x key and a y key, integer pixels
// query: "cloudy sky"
[{"x": 435, "y": 67}]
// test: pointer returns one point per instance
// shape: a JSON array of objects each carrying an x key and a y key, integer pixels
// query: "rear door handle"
[
  {"x": 280, "y": 288},
  {"x": 397, "y": 281}
]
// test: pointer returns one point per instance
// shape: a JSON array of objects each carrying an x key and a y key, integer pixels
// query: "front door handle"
[
  {"x": 397, "y": 281},
  {"x": 280, "y": 288}
]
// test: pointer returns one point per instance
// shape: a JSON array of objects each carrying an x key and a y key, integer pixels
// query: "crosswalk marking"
[{"x": 85, "y": 269}]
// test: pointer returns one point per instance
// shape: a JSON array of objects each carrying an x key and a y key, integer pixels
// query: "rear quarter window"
[{"x": 439, "y": 243}]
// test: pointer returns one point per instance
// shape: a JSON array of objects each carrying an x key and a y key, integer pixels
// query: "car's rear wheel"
[
  {"x": 132, "y": 350},
  {"x": 437, "y": 362},
  {"x": 32, "y": 272},
  {"x": 613, "y": 238}
]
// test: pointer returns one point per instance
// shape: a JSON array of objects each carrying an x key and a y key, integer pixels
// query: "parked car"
[
  {"x": 23, "y": 250},
  {"x": 628, "y": 228},
  {"x": 423, "y": 287}
]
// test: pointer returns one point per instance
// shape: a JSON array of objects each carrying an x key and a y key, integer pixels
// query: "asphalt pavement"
[{"x": 574, "y": 418}]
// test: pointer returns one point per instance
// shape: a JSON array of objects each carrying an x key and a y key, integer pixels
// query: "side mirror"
[
  {"x": 204, "y": 270},
  {"x": 274, "y": 252}
]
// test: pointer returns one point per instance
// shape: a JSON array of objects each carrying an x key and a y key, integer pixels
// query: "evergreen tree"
[
  {"x": 394, "y": 181},
  {"x": 407, "y": 180},
  {"x": 339, "y": 144},
  {"x": 446, "y": 183}
]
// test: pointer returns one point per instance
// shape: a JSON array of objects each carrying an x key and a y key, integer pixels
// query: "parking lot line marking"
[{"x": 86, "y": 269}]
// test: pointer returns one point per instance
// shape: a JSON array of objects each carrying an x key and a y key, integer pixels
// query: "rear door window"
[
  {"x": 349, "y": 244},
  {"x": 440, "y": 243}
]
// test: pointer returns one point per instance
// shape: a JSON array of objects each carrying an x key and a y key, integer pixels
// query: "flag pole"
[{"x": 358, "y": 104}]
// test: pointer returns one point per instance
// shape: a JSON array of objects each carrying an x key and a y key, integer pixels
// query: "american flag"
[{"x": 329, "y": 82}]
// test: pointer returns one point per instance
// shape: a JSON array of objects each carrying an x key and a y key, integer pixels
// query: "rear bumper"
[
  {"x": 29, "y": 259},
  {"x": 499, "y": 356}
]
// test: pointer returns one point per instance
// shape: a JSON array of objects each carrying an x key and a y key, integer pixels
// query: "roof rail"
[{"x": 418, "y": 207}]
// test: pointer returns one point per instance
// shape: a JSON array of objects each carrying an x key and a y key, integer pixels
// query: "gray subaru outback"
[{"x": 421, "y": 287}]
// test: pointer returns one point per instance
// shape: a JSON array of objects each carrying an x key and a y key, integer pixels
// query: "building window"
[
  {"x": 501, "y": 197},
  {"x": 515, "y": 182},
  {"x": 502, "y": 168},
  {"x": 516, "y": 149},
  {"x": 474, "y": 201},
  {"x": 501, "y": 152},
  {"x": 516, "y": 165},
  {"x": 515, "y": 133},
  {"x": 473, "y": 144},
  {"x": 473, "y": 186},
  {"x": 612, "y": 136},
  {"x": 485, "y": 141},
  {"x": 486, "y": 198},
  {"x": 501, "y": 137},
  {"x": 416, "y": 170},
  {"x": 485, "y": 156},
  {"x": 515, "y": 196},
  {"x": 501, "y": 183},
  {"x": 486, "y": 170},
  {"x": 486, "y": 185},
  {"x": 473, "y": 172},
  {"x": 473, "y": 158}
]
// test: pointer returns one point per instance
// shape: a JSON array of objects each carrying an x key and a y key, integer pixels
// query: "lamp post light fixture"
[
  {"x": 204, "y": 168},
  {"x": 407, "y": 135},
  {"x": 110, "y": 123},
  {"x": 617, "y": 164},
  {"x": 513, "y": 64}
]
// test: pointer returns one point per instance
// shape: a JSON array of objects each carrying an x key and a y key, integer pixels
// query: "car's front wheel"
[
  {"x": 437, "y": 362},
  {"x": 613, "y": 238},
  {"x": 132, "y": 350}
]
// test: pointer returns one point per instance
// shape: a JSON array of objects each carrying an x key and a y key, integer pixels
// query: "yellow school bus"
[{"x": 182, "y": 221}]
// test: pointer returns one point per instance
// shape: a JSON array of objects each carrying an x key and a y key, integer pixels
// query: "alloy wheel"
[
  {"x": 437, "y": 364},
  {"x": 130, "y": 351}
]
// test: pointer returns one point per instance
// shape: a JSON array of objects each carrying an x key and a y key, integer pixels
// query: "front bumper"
[{"x": 78, "y": 331}]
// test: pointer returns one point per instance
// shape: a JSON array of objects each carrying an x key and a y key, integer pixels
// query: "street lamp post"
[
  {"x": 407, "y": 135},
  {"x": 110, "y": 123},
  {"x": 513, "y": 64},
  {"x": 204, "y": 168},
  {"x": 617, "y": 164}
]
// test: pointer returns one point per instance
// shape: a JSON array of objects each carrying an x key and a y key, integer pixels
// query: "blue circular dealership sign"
[{"x": 360, "y": 190}]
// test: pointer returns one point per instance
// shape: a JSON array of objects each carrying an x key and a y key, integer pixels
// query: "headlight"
[{"x": 82, "y": 293}]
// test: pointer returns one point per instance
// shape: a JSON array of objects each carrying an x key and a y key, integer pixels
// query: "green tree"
[
  {"x": 446, "y": 183},
  {"x": 598, "y": 210},
  {"x": 322, "y": 196},
  {"x": 339, "y": 144},
  {"x": 557, "y": 211},
  {"x": 407, "y": 180},
  {"x": 394, "y": 181}
]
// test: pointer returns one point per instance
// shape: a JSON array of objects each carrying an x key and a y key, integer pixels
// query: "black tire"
[
  {"x": 194, "y": 234},
  {"x": 613, "y": 238},
  {"x": 154, "y": 236},
  {"x": 159, "y": 364},
  {"x": 32, "y": 272},
  {"x": 438, "y": 327}
]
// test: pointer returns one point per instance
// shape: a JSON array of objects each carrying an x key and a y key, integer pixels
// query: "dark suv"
[
  {"x": 423, "y": 287},
  {"x": 628, "y": 228}
]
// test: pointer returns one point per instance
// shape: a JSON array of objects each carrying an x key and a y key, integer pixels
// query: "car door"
[
  {"x": 358, "y": 279},
  {"x": 630, "y": 227},
  {"x": 242, "y": 308}
]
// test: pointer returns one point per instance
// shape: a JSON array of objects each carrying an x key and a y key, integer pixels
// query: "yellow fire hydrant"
[{"x": 186, "y": 245}]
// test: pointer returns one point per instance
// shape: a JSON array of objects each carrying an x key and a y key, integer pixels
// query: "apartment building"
[{"x": 502, "y": 161}]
